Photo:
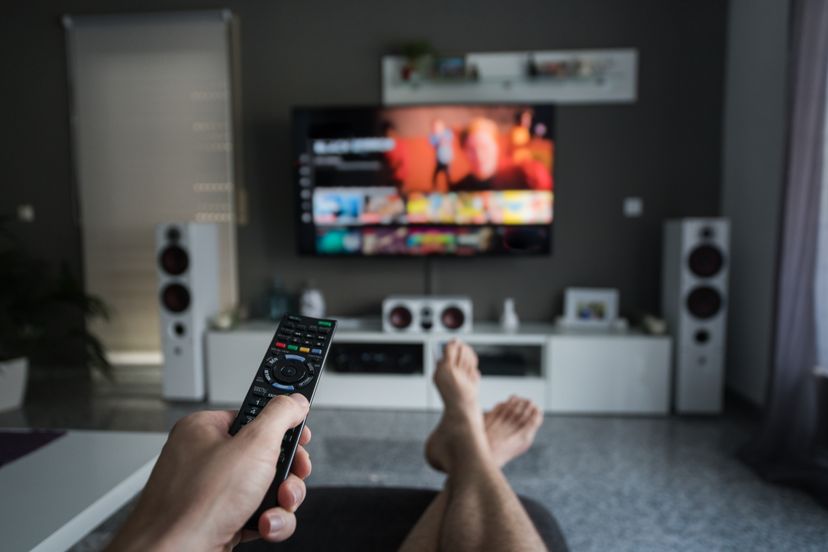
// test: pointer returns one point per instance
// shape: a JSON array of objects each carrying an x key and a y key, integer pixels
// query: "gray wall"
[
  {"x": 664, "y": 148},
  {"x": 753, "y": 172}
]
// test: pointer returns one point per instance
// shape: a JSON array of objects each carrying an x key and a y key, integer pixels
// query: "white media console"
[{"x": 607, "y": 372}]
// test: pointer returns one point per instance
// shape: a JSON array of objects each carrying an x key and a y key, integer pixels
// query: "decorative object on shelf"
[
  {"x": 590, "y": 308},
  {"x": 31, "y": 296},
  {"x": 508, "y": 318},
  {"x": 449, "y": 67},
  {"x": 312, "y": 302},
  {"x": 654, "y": 325},
  {"x": 278, "y": 300},
  {"x": 564, "y": 76},
  {"x": 417, "y": 55}
]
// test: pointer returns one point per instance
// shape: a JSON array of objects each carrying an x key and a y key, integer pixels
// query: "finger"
[
  {"x": 291, "y": 493},
  {"x": 306, "y": 436},
  {"x": 301, "y": 463},
  {"x": 279, "y": 415},
  {"x": 276, "y": 524}
]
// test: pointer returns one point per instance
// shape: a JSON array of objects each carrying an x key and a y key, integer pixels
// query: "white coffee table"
[{"x": 52, "y": 497}]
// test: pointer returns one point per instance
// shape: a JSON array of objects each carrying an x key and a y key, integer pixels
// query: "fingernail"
[{"x": 276, "y": 523}]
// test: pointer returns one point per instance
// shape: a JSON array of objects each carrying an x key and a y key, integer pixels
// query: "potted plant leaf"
[{"x": 42, "y": 319}]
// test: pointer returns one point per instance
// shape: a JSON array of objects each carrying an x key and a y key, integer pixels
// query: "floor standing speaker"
[
  {"x": 188, "y": 257},
  {"x": 694, "y": 301}
]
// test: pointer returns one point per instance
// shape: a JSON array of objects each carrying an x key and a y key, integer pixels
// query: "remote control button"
[
  {"x": 297, "y": 334},
  {"x": 293, "y": 340},
  {"x": 304, "y": 350},
  {"x": 316, "y": 351},
  {"x": 248, "y": 419},
  {"x": 257, "y": 402},
  {"x": 267, "y": 375},
  {"x": 259, "y": 379},
  {"x": 312, "y": 329},
  {"x": 271, "y": 361},
  {"x": 297, "y": 358},
  {"x": 252, "y": 411},
  {"x": 326, "y": 324},
  {"x": 283, "y": 387},
  {"x": 320, "y": 343},
  {"x": 324, "y": 330},
  {"x": 307, "y": 342},
  {"x": 281, "y": 345},
  {"x": 291, "y": 371},
  {"x": 305, "y": 381},
  {"x": 260, "y": 391},
  {"x": 293, "y": 347},
  {"x": 302, "y": 327}
]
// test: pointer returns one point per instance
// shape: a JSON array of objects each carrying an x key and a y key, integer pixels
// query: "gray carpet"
[{"x": 619, "y": 484}]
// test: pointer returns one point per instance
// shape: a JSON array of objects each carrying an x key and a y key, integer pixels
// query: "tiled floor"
[{"x": 613, "y": 483}]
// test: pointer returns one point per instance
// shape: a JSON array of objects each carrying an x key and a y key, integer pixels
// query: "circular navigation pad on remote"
[
  {"x": 291, "y": 371},
  {"x": 288, "y": 371}
]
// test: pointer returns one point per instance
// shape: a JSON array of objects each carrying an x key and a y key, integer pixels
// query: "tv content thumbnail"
[{"x": 437, "y": 180}]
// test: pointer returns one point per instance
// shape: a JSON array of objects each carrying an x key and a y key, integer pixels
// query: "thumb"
[{"x": 282, "y": 413}]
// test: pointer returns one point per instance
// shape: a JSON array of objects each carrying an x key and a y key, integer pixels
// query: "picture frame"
[{"x": 595, "y": 308}]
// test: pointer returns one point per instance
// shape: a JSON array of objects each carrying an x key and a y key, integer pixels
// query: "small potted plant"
[
  {"x": 42, "y": 317},
  {"x": 417, "y": 55}
]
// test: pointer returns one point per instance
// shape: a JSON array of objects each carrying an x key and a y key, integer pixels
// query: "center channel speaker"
[
  {"x": 427, "y": 313},
  {"x": 189, "y": 292},
  {"x": 694, "y": 299}
]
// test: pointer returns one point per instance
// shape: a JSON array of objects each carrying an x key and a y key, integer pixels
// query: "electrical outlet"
[
  {"x": 633, "y": 207},
  {"x": 25, "y": 213}
]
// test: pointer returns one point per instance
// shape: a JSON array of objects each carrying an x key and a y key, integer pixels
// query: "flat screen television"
[{"x": 454, "y": 180}]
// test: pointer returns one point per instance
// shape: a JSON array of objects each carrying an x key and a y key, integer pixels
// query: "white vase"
[
  {"x": 13, "y": 375},
  {"x": 312, "y": 303}
]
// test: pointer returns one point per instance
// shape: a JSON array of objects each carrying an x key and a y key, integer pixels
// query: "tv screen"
[{"x": 425, "y": 180}]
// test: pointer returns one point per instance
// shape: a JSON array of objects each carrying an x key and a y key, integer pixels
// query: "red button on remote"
[{"x": 280, "y": 345}]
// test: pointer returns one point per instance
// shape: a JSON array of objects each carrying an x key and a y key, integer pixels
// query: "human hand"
[{"x": 207, "y": 483}]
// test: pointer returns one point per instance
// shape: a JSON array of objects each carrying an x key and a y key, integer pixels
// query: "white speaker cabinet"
[
  {"x": 188, "y": 266},
  {"x": 694, "y": 303}
]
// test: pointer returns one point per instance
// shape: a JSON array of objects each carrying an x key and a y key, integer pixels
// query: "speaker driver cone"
[
  {"x": 174, "y": 260},
  {"x": 705, "y": 261},
  {"x": 704, "y": 302},
  {"x": 400, "y": 317},
  {"x": 175, "y": 298},
  {"x": 452, "y": 318}
]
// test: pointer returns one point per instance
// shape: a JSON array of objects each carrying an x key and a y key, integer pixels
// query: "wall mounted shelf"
[{"x": 560, "y": 76}]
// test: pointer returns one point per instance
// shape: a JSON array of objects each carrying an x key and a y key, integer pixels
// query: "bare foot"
[
  {"x": 511, "y": 427},
  {"x": 458, "y": 381}
]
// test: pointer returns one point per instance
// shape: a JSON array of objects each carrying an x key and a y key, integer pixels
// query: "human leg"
[{"x": 477, "y": 507}]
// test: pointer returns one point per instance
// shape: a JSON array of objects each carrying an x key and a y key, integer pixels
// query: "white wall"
[{"x": 753, "y": 171}]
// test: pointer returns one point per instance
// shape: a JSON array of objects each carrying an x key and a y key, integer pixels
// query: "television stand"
[{"x": 568, "y": 371}]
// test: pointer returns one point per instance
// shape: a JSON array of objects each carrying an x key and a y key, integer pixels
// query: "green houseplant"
[{"x": 42, "y": 319}]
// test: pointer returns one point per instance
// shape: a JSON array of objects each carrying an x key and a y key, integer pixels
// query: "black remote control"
[{"x": 292, "y": 364}]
